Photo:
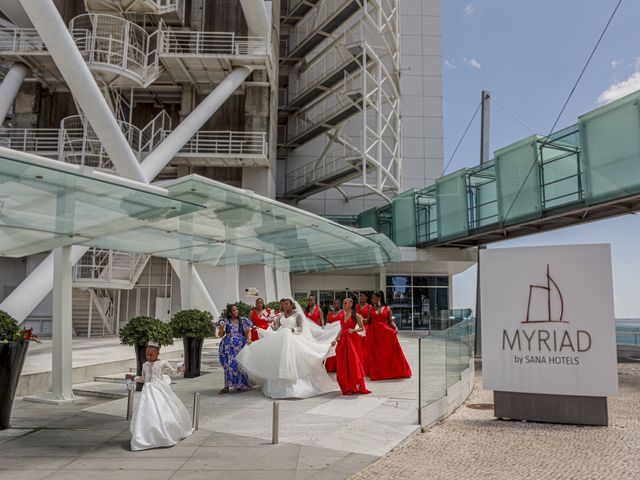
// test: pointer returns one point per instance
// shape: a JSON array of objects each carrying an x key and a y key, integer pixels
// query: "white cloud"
[
  {"x": 470, "y": 9},
  {"x": 620, "y": 89},
  {"x": 472, "y": 62},
  {"x": 448, "y": 64},
  {"x": 616, "y": 63}
]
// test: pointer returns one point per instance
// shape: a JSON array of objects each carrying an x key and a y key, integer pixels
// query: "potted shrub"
[
  {"x": 243, "y": 308},
  {"x": 274, "y": 306},
  {"x": 193, "y": 326},
  {"x": 14, "y": 343},
  {"x": 141, "y": 330}
]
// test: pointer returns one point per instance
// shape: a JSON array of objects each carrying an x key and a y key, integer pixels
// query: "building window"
[{"x": 417, "y": 300}]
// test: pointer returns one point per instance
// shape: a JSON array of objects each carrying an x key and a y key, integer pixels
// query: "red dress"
[
  {"x": 349, "y": 353},
  {"x": 314, "y": 316},
  {"x": 385, "y": 355},
  {"x": 364, "y": 311},
  {"x": 258, "y": 322},
  {"x": 330, "y": 362}
]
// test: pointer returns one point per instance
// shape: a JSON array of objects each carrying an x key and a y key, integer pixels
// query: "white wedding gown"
[
  {"x": 290, "y": 365},
  {"x": 161, "y": 419}
]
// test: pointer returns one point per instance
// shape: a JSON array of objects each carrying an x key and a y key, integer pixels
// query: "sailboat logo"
[{"x": 545, "y": 303}]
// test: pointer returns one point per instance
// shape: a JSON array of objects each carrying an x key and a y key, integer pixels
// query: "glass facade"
[
  {"x": 416, "y": 300},
  {"x": 325, "y": 297}
]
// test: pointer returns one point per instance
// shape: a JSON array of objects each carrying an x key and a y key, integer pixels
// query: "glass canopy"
[
  {"x": 238, "y": 227},
  {"x": 45, "y": 204}
]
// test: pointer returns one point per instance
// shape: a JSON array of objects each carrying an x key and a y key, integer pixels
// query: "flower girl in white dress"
[{"x": 161, "y": 419}]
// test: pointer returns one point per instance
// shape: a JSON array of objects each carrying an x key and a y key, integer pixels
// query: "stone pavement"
[
  {"x": 473, "y": 444},
  {"x": 327, "y": 437},
  {"x": 80, "y": 446}
]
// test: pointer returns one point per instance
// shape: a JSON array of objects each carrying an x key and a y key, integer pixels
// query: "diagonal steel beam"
[{"x": 47, "y": 20}]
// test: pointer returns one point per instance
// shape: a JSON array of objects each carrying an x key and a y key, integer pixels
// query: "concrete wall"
[
  {"x": 13, "y": 272},
  {"x": 421, "y": 91}
]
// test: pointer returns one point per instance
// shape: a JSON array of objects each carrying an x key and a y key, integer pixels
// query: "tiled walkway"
[{"x": 328, "y": 437}]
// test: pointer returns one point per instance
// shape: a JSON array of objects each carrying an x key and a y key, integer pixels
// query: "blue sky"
[{"x": 528, "y": 54}]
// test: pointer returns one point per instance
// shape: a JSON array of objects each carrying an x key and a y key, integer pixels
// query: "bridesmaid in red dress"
[
  {"x": 259, "y": 319},
  {"x": 335, "y": 315},
  {"x": 364, "y": 308},
  {"x": 313, "y": 312},
  {"x": 385, "y": 355},
  {"x": 350, "y": 373}
]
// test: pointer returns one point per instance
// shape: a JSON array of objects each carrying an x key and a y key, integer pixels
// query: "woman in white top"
[{"x": 288, "y": 361}]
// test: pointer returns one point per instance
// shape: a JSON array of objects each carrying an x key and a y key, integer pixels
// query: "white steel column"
[
  {"x": 257, "y": 17},
  {"x": 200, "y": 297},
  {"x": 9, "y": 88},
  {"x": 35, "y": 287},
  {"x": 178, "y": 138},
  {"x": 63, "y": 50},
  {"x": 186, "y": 285},
  {"x": 14, "y": 12},
  {"x": 62, "y": 333}
]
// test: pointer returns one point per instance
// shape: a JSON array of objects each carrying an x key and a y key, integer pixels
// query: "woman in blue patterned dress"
[{"x": 236, "y": 330}]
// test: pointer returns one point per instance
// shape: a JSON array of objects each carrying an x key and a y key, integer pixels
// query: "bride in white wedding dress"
[{"x": 287, "y": 361}]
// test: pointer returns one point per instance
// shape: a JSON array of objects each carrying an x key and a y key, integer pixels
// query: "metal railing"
[
  {"x": 313, "y": 20},
  {"x": 626, "y": 338},
  {"x": 199, "y": 43},
  {"x": 40, "y": 141},
  {"x": 77, "y": 143},
  {"x": 80, "y": 145},
  {"x": 167, "y": 6},
  {"x": 21, "y": 40},
  {"x": 160, "y": 7},
  {"x": 558, "y": 164},
  {"x": 339, "y": 159},
  {"x": 154, "y": 133},
  {"x": 325, "y": 109},
  {"x": 104, "y": 304},
  {"x": 628, "y": 334},
  {"x": 156, "y": 7},
  {"x": 115, "y": 45},
  {"x": 329, "y": 62},
  {"x": 560, "y": 168},
  {"x": 226, "y": 143},
  {"x": 109, "y": 42},
  {"x": 102, "y": 266}
]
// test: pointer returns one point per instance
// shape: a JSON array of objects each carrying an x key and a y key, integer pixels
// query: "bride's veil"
[{"x": 315, "y": 332}]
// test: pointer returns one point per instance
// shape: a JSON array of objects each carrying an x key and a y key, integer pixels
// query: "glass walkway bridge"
[{"x": 586, "y": 172}]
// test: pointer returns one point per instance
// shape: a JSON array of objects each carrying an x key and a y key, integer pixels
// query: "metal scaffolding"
[{"x": 344, "y": 65}]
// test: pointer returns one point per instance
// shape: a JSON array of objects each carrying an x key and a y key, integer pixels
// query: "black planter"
[
  {"x": 12, "y": 355},
  {"x": 141, "y": 357},
  {"x": 192, "y": 356}
]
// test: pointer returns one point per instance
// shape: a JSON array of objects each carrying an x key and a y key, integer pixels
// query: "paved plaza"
[
  {"x": 471, "y": 443},
  {"x": 327, "y": 437}
]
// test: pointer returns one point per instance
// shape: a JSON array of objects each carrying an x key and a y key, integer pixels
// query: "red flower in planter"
[{"x": 27, "y": 335}]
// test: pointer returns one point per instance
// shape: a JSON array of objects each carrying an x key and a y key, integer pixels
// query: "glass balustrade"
[{"x": 444, "y": 356}]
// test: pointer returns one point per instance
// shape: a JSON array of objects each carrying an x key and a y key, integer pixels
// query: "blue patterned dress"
[{"x": 232, "y": 342}]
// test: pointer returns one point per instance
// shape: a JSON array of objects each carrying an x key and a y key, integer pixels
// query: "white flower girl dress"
[{"x": 161, "y": 419}]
